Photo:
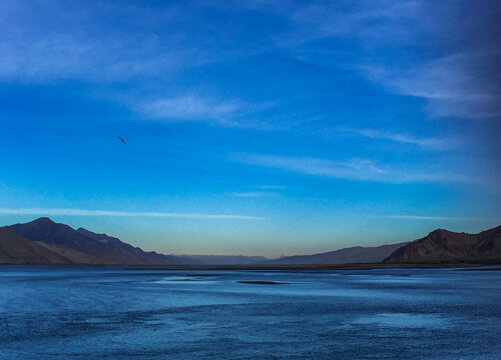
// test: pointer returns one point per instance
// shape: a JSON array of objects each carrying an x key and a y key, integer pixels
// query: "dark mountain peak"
[
  {"x": 46, "y": 230},
  {"x": 42, "y": 225},
  {"x": 440, "y": 232},
  {"x": 444, "y": 245},
  {"x": 495, "y": 230},
  {"x": 41, "y": 220},
  {"x": 443, "y": 236},
  {"x": 109, "y": 249}
]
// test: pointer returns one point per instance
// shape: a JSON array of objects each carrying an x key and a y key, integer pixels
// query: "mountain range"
[
  {"x": 447, "y": 246},
  {"x": 15, "y": 249},
  {"x": 357, "y": 254},
  {"x": 44, "y": 241},
  {"x": 85, "y": 247}
]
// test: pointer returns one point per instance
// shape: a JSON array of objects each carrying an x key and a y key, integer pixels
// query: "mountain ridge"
[
  {"x": 61, "y": 237},
  {"x": 15, "y": 249},
  {"x": 43, "y": 241},
  {"x": 442, "y": 245},
  {"x": 355, "y": 254}
]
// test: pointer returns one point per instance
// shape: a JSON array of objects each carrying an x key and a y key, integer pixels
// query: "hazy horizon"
[
  {"x": 208, "y": 253},
  {"x": 255, "y": 128}
]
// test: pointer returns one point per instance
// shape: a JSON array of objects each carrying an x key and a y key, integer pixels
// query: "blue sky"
[{"x": 254, "y": 127}]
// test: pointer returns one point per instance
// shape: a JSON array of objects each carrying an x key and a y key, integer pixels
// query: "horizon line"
[{"x": 86, "y": 212}]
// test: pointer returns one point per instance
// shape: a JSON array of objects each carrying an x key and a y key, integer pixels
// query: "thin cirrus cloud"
[
  {"x": 359, "y": 169},
  {"x": 86, "y": 212},
  {"x": 190, "y": 107},
  {"x": 199, "y": 108},
  {"x": 253, "y": 194},
  {"x": 456, "y": 81},
  {"x": 270, "y": 187},
  {"x": 440, "y": 218},
  {"x": 430, "y": 143},
  {"x": 43, "y": 42},
  {"x": 453, "y": 85},
  {"x": 353, "y": 169}
]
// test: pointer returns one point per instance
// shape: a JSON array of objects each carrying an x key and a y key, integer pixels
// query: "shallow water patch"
[
  {"x": 402, "y": 320},
  {"x": 185, "y": 280}
]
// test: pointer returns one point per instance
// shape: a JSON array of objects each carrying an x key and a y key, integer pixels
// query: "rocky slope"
[
  {"x": 447, "y": 246},
  {"x": 15, "y": 249},
  {"x": 85, "y": 247},
  {"x": 357, "y": 254}
]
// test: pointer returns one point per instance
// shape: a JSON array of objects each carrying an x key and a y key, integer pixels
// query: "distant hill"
[
  {"x": 447, "y": 246},
  {"x": 15, "y": 249},
  {"x": 43, "y": 241},
  {"x": 219, "y": 259},
  {"x": 85, "y": 247},
  {"x": 357, "y": 254},
  {"x": 136, "y": 254}
]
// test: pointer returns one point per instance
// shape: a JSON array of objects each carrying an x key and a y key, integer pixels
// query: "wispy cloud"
[
  {"x": 195, "y": 107},
  {"x": 260, "y": 191},
  {"x": 452, "y": 85},
  {"x": 270, "y": 187},
  {"x": 419, "y": 217},
  {"x": 253, "y": 194},
  {"x": 352, "y": 169},
  {"x": 360, "y": 169},
  {"x": 86, "y": 212},
  {"x": 431, "y": 143},
  {"x": 54, "y": 40},
  {"x": 191, "y": 107},
  {"x": 357, "y": 19},
  {"x": 456, "y": 81}
]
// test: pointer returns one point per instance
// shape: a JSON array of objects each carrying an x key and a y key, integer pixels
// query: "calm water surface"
[{"x": 112, "y": 313}]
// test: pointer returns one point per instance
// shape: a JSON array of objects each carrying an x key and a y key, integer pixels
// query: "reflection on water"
[
  {"x": 95, "y": 313},
  {"x": 403, "y": 320},
  {"x": 185, "y": 280}
]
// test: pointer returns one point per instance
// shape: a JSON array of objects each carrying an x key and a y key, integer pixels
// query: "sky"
[{"x": 251, "y": 127}]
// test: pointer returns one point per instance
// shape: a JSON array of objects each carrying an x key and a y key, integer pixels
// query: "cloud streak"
[
  {"x": 461, "y": 80},
  {"x": 199, "y": 108},
  {"x": 431, "y": 143},
  {"x": 351, "y": 169},
  {"x": 57, "y": 41},
  {"x": 418, "y": 217},
  {"x": 86, "y": 212},
  {"x": 453, "y": 85},
  {"x": 191, "y": 107},
  {"x": 253, "y": 194}
]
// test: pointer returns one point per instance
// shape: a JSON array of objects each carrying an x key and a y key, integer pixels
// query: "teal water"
[{"x": 112, "y": 313}]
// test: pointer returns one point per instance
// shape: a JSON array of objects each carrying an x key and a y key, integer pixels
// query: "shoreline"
[
  {"x": 373, "y": 266},
  {"x": 257, "y": 268}
]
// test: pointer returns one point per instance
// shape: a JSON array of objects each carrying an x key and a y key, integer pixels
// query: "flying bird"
[{"x": 122, "y": 140}]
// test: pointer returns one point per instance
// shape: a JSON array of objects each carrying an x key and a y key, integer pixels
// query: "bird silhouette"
[{"x": 122, "y": 140}]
